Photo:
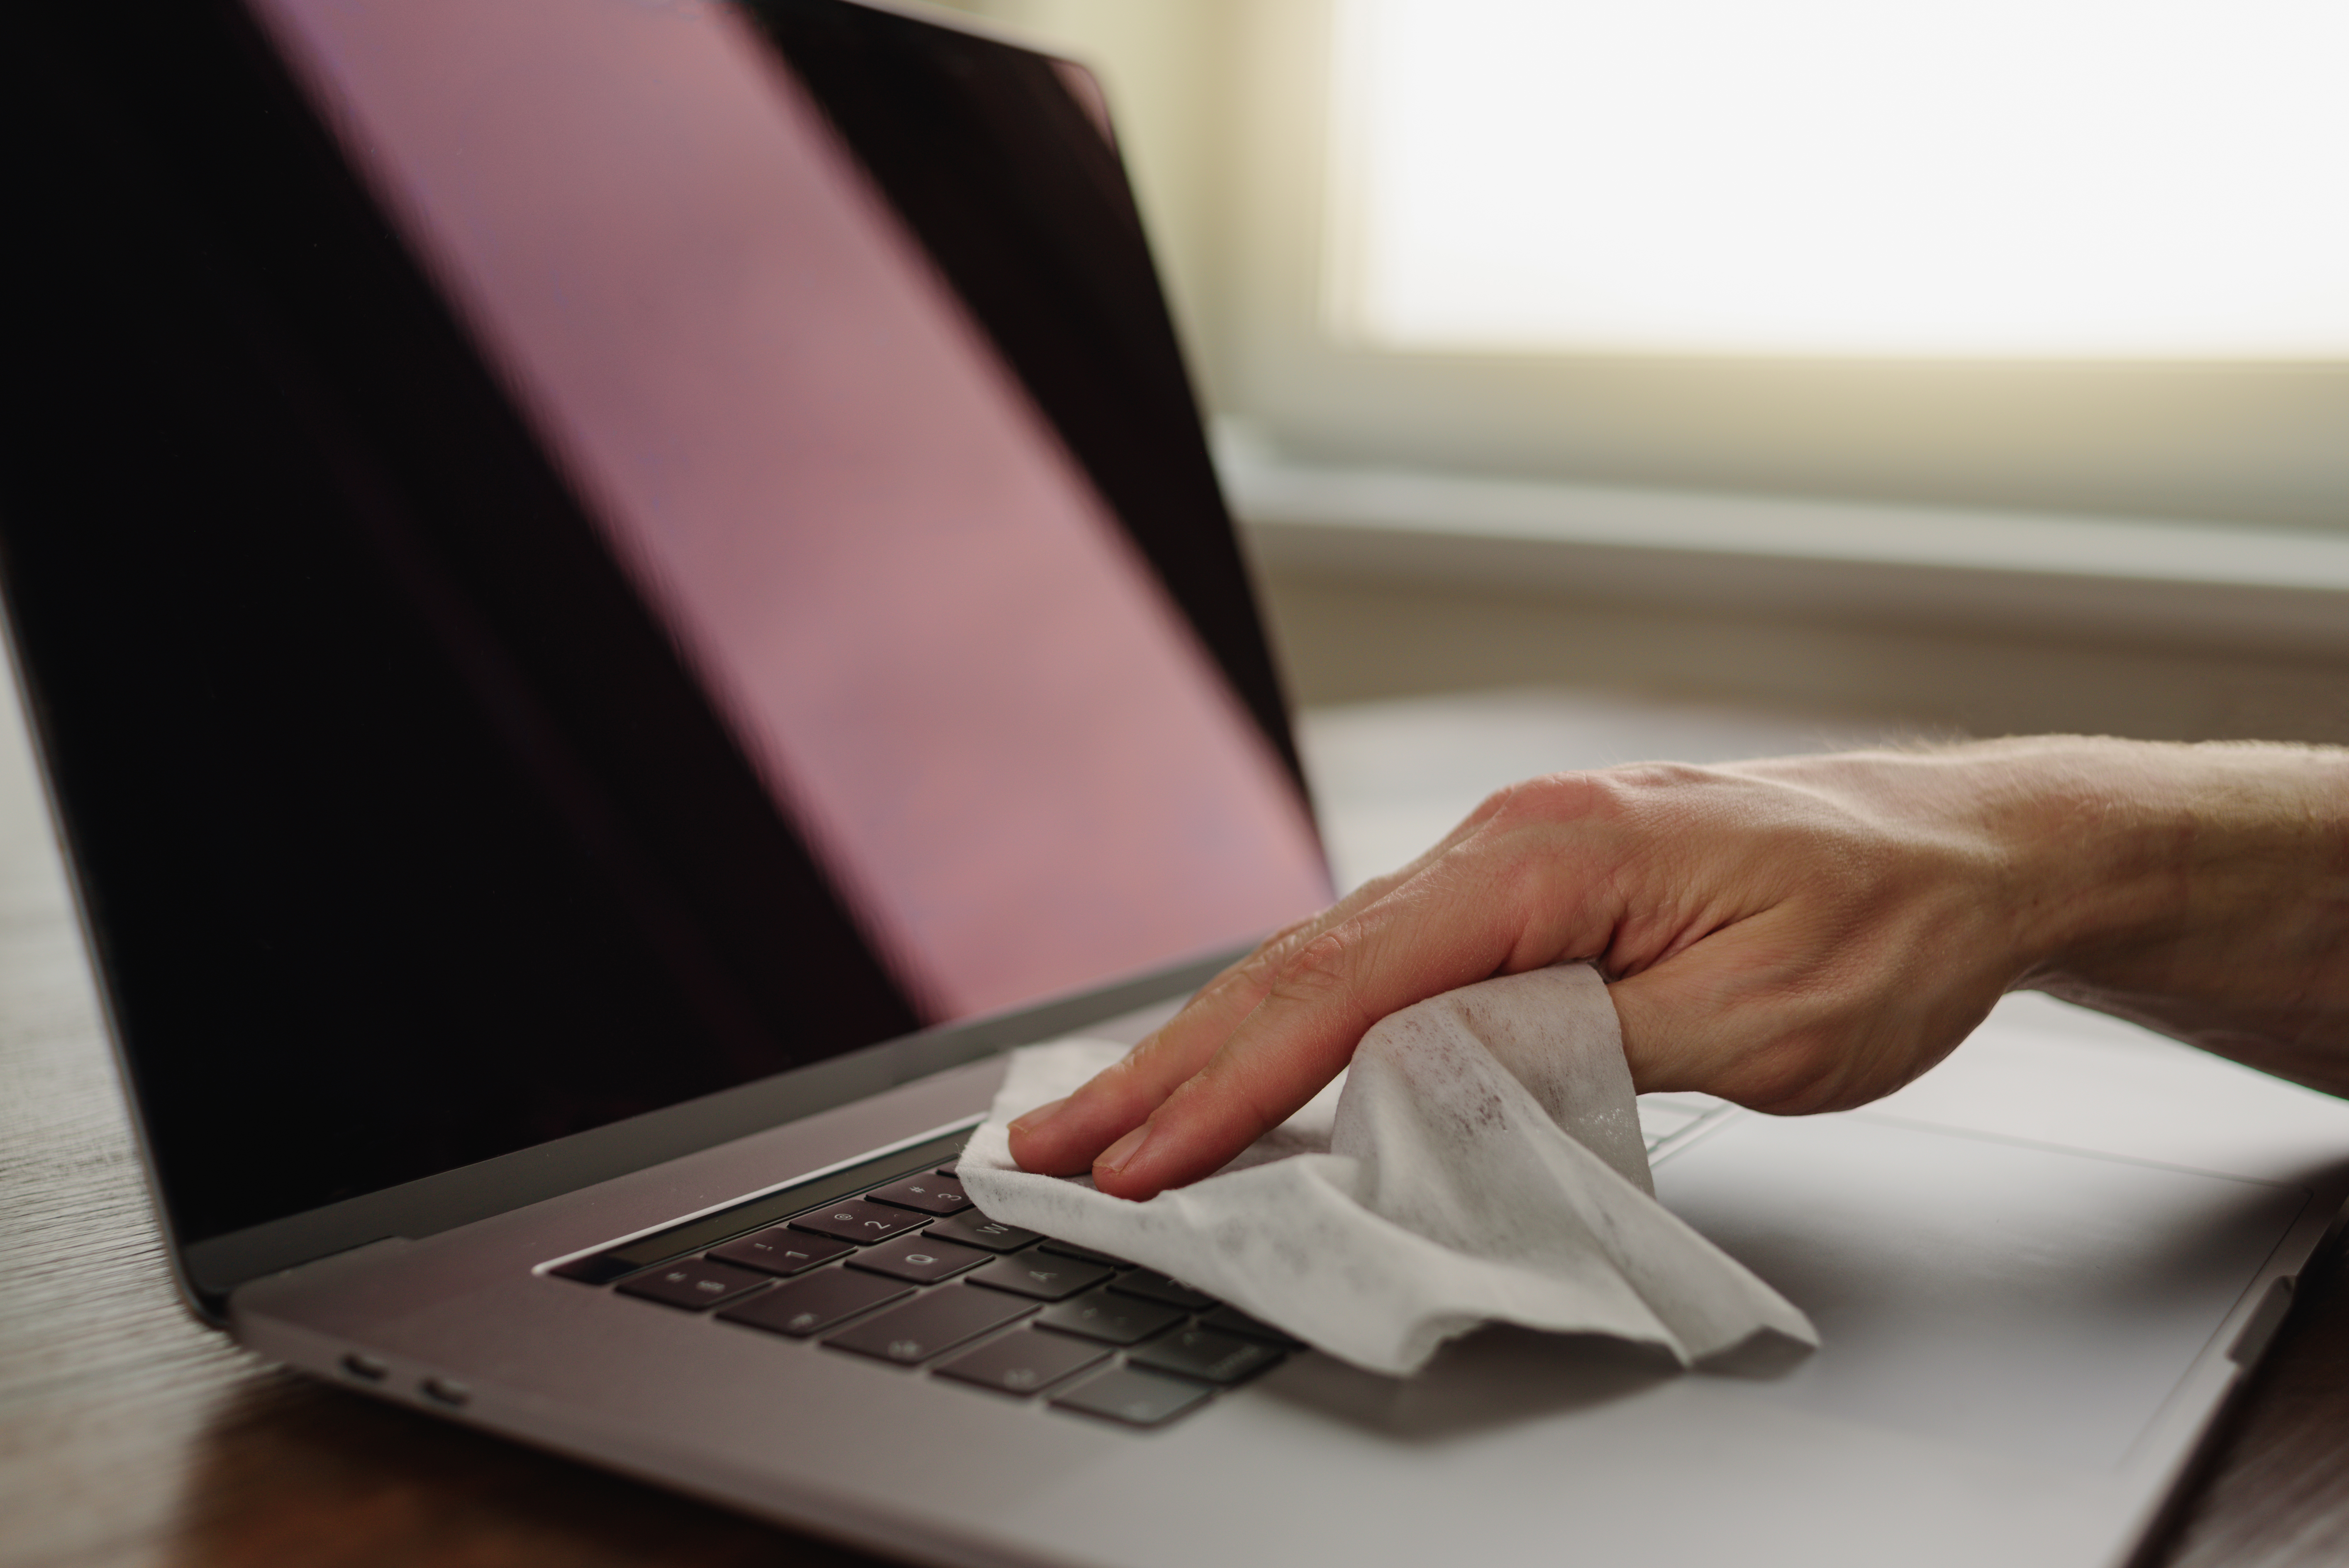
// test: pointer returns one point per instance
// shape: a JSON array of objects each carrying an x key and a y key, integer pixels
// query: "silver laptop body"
[
  {"x": 2038, "y": 1275},
  {"x": 2038, "y": 1272}
]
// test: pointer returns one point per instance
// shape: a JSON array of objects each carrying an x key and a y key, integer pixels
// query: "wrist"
[{"x": 2177, "y": 883}]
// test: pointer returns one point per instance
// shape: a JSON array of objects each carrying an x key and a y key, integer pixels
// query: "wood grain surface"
[{"x": 131, "y": 1435}]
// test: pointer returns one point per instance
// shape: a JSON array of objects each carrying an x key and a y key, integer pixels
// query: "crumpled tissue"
[{"x": 1479, "y": 1162}]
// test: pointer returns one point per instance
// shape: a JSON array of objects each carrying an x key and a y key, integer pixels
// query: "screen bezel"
[{"x": 211, "y": 1270}]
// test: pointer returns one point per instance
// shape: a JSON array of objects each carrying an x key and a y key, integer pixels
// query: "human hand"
[{"x": 1797, "y": 934}]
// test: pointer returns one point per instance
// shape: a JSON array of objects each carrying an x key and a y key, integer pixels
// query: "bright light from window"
[{"x": 2090, "y": 178}]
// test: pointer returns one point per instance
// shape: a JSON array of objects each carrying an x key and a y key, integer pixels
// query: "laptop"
[{"x": 618, "y": 596}]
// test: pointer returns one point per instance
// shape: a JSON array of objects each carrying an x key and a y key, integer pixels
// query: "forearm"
[{"x": 2200, "y": 889}]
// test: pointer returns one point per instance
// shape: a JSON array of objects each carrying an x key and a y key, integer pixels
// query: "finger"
[
  {"x": 1065, "y": 1138},
  {"x": 1062, "y": 1139},
  {"x": 1451, "y": 925}
]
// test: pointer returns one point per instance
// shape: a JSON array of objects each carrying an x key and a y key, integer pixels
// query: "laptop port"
[
  {"x": 446, "y": 1391},
  {"x": 365, "y": 1369}
]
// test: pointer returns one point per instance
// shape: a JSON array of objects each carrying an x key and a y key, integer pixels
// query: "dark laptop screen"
[
  {"x": 914, "y": 608},
  {"x": 761, "y": 590}
]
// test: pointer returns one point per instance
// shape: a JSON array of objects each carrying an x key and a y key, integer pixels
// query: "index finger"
[
  {"x": 1064, "y": 1139},
  {"x": 1461, "y": 918}
]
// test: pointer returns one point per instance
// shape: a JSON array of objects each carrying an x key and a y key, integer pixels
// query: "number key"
[
  {"x": 930, "y": 1194},
  {"x": 780, "y": 1252},
  {"x": 858, "y": 1220}
]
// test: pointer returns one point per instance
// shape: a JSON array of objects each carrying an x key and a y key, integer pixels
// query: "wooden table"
[{"x": 130, "y": 1435}]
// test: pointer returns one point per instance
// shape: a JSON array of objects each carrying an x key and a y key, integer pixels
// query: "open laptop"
[{"x": 619, "y": 594}]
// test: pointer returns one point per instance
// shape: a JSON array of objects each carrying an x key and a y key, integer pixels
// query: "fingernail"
[
  {"x": 1119, "y": 1155},
  {"x": 1035, "y": 1120}
]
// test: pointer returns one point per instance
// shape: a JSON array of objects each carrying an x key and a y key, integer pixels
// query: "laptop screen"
[
  {"x": 918, "y": 615},
  {"x": 870, "y": 650}
]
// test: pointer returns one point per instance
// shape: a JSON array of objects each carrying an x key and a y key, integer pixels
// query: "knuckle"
[
  {"x": 1551, "y": 799},
  {"x": 1260, "y": 971},
  {"x": 1318, "y": 974},
  {"x": 1124, "y": 1083},
  {"x": 1627, "y": 795},
  {"x": 1247, "y": 979}
]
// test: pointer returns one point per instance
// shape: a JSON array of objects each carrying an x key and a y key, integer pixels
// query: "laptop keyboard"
[
  {"x": 890, "y": 1261},
  {"x": 894, "y": 1264}
]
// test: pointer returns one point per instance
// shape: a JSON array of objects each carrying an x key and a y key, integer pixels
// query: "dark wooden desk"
[{"x": 129, "y": 1435}]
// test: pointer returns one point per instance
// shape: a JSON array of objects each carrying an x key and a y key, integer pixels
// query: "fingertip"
[
  {"x": 1171, "y": 1160},
  {"x": 1110, "y": 1169},
  {"x": 1132, "y": 1182},
  {"x": 1189, "y": 1137},
  {"x": 1034, "y": 1120},
  {"x": 1041, "y": 1158},
  {"x": 1132, "y": 1190},
  {"x": 1047, "y": 1141}
]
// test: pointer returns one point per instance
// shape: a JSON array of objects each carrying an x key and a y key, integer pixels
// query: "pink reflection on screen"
[{"x": 1001, "y": 740}]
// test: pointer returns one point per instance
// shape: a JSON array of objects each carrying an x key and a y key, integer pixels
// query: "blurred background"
[{"x": 1940, "y": 366}]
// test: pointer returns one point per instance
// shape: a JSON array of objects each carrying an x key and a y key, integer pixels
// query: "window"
[
  {"x": 1370, "y": 373},
  {"x": 1800, "y": 248},
  {"x": 2016, "y": 179}
]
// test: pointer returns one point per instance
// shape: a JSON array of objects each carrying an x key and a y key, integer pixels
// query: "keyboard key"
[
  {"x": 1112, "y": 1319},
  {"x": 1024, "y": 1361},
  {"x": 782, "y": 1250},
  {"x": 1040, "y": 1274},
  {"x": 919, "y": 1259},
  {"x": 931, "y": 1324},
  {"x": 800, "y": 1308},
  {"x": 1232, "y": 1320},
  {"x": 693, "y": 1283},
  {"x": 1084, "y": 1255},
  {"x": 855, "y": 1220},
  {"x": 929, "y": 1194},
  {"x": 1136, "y": 1397},
  {"x": 1208, "y": 1355},
  {"x": 976, "y": 1229},
  {"x": 1155, "y": 1286},
  {"x": 951, "y": 1168}
]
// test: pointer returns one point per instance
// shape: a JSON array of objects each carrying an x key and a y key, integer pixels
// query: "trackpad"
[{"x": 2036, "y": 1302}]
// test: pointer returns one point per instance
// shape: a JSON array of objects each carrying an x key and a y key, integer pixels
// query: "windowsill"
[{"x": 2106, "y": 579}]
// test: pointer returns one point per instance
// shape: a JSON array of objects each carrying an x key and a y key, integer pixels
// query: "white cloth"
[{"x": 1482, "y": 1161}]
